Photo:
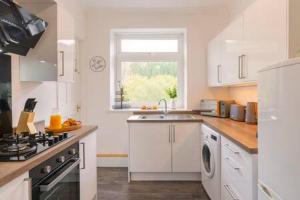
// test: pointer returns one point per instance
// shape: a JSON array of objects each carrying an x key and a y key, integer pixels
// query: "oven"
[{"x": 58, "y": 177}]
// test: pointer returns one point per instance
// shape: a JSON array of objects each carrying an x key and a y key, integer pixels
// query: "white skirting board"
[
  {"x": 141, "y": 176},
  {"x": 112, "y": 162}
]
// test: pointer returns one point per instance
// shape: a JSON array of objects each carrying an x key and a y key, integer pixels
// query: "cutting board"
[{"x": 64, "y": 129}]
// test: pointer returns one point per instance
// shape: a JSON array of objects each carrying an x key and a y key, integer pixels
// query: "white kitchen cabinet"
[
  {"x": 266, "y": 32},
  {"x": 150, "y": 147},
  {"x": 265, "y": 35},
  {"x": 53, "y": 59},
  {"x": 88, "y": 167},
  {"x": 238, "y": 172},
  {"x": 186, "y": 156},
  {"x": 232, "y": 43},
  {"x": 66, "y": 44},
  {"x": 215, "y": 69},
  {"x": 17, "y": 189},
  {"x": 164, "y": 148}
]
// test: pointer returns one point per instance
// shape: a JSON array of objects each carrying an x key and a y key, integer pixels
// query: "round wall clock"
[{"x": 97, "y": 64}]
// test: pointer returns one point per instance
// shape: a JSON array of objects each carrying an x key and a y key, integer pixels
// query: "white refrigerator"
[{"x": 279, "y": 132}]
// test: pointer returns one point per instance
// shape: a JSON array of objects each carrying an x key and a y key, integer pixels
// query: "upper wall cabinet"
[
  {"x": 215, "y": 72},
  {"x": 264, "y": 34},
  {"x": 54, "y": 57}
]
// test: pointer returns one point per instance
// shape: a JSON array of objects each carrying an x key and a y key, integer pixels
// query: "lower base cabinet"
[
  {"x": 17, "y": 189},
  {"x": 167, "y": 149},
  {"x": 88, "y": 167},
  {"x": 239, "y": 172}
]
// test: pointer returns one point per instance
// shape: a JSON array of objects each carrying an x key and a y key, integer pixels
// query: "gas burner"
[
  {"x": 16, "y": 147},
  {"x": 23, "y": 146},
  {"x": 12, "y": 151}
]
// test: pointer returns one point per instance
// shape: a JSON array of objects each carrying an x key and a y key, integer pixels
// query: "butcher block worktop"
[
  {"x": 240, "y": 133},
  {"x": 11, "y": 170}
]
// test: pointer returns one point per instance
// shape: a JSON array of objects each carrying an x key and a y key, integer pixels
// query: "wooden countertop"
[
  {"x": 11, "y": 170},
  {"x": 244, "y": 135},
  {"x": 240, "y": 133}
]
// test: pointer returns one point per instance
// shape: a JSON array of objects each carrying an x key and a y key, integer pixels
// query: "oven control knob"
[
  {"x": 72, "y": 151},
  {"x": 47, "y": 169},
  {"x": 61, "y": 159}
]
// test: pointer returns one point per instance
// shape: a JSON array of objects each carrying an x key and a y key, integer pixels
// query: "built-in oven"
[{"x": 58, "y": 177}]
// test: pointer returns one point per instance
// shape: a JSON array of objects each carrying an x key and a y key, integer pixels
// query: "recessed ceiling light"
[{"x": 42, "y": 61}]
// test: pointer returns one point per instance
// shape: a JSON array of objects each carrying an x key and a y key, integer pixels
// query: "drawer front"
[
  {"x": 238, "y": 155},
  {"x": 237, "y": 168},
  {"x": 229, "y": 192},
  {"x": 237, "y": 177}
]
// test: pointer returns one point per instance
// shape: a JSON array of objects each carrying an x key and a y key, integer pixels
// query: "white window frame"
[{"x": 117, "y": 57}]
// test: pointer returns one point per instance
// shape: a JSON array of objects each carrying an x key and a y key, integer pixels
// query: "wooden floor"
[{"x": 113, "y": 185}]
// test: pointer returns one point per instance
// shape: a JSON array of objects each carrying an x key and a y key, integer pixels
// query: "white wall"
[
  {"x": 44, "y": 92},
  {"x": 201, "y": 26}
]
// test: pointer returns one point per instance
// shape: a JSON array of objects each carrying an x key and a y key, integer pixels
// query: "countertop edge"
[
  {"x": 38, "y": 159},
  {"x": 246, "y": 148}
]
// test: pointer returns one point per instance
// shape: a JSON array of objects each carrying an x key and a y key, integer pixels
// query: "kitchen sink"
[{"x": 175, "y": 117}]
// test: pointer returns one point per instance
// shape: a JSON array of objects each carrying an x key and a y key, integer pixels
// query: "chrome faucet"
[{"x": 166, "y": 105}]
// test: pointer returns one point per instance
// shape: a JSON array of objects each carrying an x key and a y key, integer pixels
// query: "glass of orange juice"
[{"x": 55, "y": 122}]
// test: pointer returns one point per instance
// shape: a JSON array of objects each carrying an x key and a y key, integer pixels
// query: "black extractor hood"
[{"x": 19, "y": 30}]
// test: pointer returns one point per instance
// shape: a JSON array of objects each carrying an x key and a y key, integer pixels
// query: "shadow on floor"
[{"x": 113, "y": 185}]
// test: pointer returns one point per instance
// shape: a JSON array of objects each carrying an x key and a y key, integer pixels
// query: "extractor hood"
[{"x": 19, "y": 30}]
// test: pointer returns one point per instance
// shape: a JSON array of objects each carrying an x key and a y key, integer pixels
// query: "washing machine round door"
[{"x": 208, "y": 161}]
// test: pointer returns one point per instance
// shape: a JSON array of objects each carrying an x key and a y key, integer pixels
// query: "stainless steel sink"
[{"x": 175, "y": 117}]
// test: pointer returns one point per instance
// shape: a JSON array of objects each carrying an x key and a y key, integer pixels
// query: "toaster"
[
  {"x": 237, "y": 112},
  {"x": 215, "y": 108}
]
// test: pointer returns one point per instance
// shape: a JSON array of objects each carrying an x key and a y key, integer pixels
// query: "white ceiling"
[{"x": 155, "y": 3}]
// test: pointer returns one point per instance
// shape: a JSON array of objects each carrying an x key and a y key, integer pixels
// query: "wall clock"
[{"x": 97, "y": 64}]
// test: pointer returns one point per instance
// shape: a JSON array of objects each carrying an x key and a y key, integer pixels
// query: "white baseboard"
[
  {"x": 112, "y": 162},
  {"x": 138, "y": 176}
]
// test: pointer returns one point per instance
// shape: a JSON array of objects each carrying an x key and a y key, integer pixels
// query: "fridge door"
[
  {"x": 265, "y": 193},
  {"x": 279, "y": 130}
]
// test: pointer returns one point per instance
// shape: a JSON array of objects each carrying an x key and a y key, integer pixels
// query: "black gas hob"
[{"x": 24, "y": 146}]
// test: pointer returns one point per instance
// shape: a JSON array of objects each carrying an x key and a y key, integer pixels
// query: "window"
[{"x": 146, "y": 64}]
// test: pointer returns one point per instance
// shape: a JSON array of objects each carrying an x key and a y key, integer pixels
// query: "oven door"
[{"x": 63, "y": 184}]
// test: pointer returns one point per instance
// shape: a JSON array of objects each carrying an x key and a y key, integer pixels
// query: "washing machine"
[{"x": 211, "y": 162}]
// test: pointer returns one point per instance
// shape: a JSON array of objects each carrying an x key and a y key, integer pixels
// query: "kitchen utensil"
[{"x": 28, "y": 104}]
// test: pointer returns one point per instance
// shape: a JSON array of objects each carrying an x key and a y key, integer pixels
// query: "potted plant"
[{"x": 172, "y": 93}]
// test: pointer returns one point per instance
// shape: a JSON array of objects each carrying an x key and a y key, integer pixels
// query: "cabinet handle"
[
  {"x": 231, "y": 193},
  {"x": 29, "y": 180},
  {"x": 83, "y": 155},
  {"x": 170, "y": 133},
  {"x": 240, "y": 64},
  {"x": 174, "y": 134},
  {"x": 231, "y": 150},
  {"x": 229, "y": 161},
  {"x": 243, "y": 76},
  {"x": 219, "y": 79},
  {"x": 62, "y": 63}
]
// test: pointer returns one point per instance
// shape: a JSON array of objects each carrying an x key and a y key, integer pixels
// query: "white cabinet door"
[
  {"x": 150, "y": 147},
  {"x": 265, "y": 35},
  {"x": 215, "y": 67},
  {"x": 66, "y": 44},
  {"x": 186, "y": 147},
  {"x": 88, "y": 167},
  {"x": 17, "y": 189},
  {"x": 232, "y": 51}
]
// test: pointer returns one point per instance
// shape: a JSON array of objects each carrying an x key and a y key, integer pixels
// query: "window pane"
[
  {"x": 147, "y": 82},
  {"x": 149, "y": 46}
]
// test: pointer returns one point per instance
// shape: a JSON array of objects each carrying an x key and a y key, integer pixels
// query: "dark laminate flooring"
[{"x": 113, "y": 185}]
